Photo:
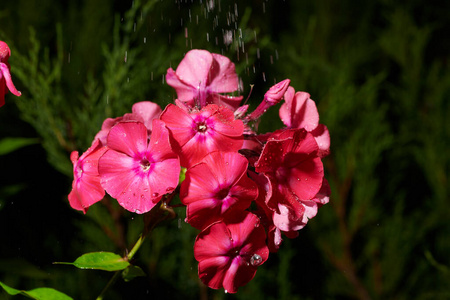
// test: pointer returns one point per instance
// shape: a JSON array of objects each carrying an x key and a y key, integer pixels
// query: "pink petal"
[
  {"x": 128, "y": 137},
  {"x": 230, "y": 102},
  {"x": 305, "y": 180},
  {"x": 5, "y": 52},
  {"x": 7, "y": 76},
  {"x": 185, "y": 92},
  {"x": 121, "y": 180},
  {"x": 179, "y": 123},
  {"x": 200, "y": 184},
  {"x": 213, "y": 241},
  {"x": 322, "y": 137},
  {"x": 276, "y": 92},
  {"x": 211, "y": 271},
  {"x": 148, "y": 111},
  {"x": 195, "y": 67},
  {"x": 223, "y": 77},
  {"x": 225, "y": 122},
  {"x": 163, "y": 177},
  {"x": 85, "y": 192}
]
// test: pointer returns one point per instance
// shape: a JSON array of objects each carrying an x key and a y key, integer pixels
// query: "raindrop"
[
  {"x": 255, "y": 260},
  {"x": 155, "y": 195},
  {"x": 226, "y": 292}
]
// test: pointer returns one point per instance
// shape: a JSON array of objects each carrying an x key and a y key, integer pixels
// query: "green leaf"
[
  {"x": 8, "y": 145},
  {"x": 132, "y": 272},
  {"x": 38, "y": 294},
  {"x": 106, "y": 261},
  {"x": 182, "y": 175}
]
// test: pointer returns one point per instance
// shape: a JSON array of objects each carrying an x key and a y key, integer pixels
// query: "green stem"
[
  {"x": 129, "y": 256},
  {"x": 157, "y": 215}
]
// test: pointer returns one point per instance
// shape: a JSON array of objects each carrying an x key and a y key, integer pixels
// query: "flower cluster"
[
  {"x": 5, "y": 75},
  {"x": 242, "y": 190}
]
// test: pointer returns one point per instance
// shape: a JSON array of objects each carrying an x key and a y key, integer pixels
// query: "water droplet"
[
  {"x": 226, "y": 292},
  {"x": 154, "y": 195},
  {"x": 255, "y": 260}
]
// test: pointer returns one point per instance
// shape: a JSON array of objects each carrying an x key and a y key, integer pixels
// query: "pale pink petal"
[
  {"x": 286, "y": 220},
  {"x": 322, "y": 136},
  {"x": 148, "y": 111},
  {"x": 185, "y": 92},
  {"x": 194, "y": 68},
  {"x": 223, "y": 77},
  {"x": 323, "y": 196}
]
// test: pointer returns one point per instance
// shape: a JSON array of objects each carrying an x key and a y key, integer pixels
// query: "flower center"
[
  {"x": 145, "y": 164},
  {"x": 201, "y": 127},
  {"x": 222, "y": 194}
]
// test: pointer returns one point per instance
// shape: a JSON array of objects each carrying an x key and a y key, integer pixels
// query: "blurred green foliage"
[{"x": 378, "y": 70}]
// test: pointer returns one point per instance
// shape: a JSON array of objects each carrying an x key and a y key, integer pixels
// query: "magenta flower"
[
  {"x": 230, "y": 251},
  {"x": 216, "y": 187},
  {"x": 144, "y": 112},
  {"x": 135, "y": 171},
  {"x": 5, "y": 75},
  {"x": 201, "y": 78},
  {"x": 291, "y": 163},
  {"x": 299, "y": 111},
  {"x": 86, "y": 187},
  {"x": 195, "y": 134}
]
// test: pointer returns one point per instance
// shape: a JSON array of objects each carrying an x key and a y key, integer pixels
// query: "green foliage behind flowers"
[{"x": 378, "y": 71}]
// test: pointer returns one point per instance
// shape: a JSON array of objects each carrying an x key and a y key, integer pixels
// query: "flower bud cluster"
[{"x": 242, "y": 190}]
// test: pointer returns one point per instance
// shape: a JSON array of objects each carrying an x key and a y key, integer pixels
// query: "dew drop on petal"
[
  {"x": 255, "y": 260},
  {"x": 154, "y": 195}
]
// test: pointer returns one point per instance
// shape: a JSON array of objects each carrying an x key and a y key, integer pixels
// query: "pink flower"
[
  {"x": 195, "y": 134},
  {"x": 230, "y": 251},
  {"x": 86, "y": 187},
  {"x": 5, "y": 75},
  {"x": 272, "y": 97},
  {"x": 216, "y": 187},
  {"x": 285, "y": 220},
  {"x": 201, "y": 77},
  {"x": 299, "y": 111},
  {"x": 291, "y": 163},
  {"x": 144, "y": 112},
  {"x": 135, "y": 171}
]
